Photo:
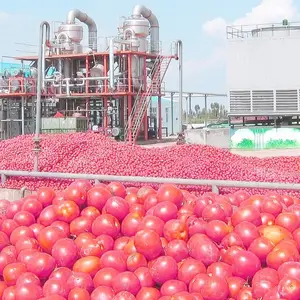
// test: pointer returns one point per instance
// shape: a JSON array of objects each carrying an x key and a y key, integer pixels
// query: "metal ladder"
[{"x": 143, "y": 99}]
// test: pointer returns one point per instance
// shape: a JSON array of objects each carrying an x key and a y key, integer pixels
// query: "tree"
[
  {"x": 197, "y": 109},
  {"x": 215, "y": 108}
]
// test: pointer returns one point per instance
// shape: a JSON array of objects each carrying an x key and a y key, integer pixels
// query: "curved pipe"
[
  {"x": 141, "y": 10},
  {"x": 84, "y": 18}
]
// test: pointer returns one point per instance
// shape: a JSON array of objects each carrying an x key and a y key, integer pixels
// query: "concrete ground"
[{"x": 256, "y": 153}]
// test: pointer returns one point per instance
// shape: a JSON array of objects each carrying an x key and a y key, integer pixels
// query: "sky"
[{"x": 201, "y": 25}]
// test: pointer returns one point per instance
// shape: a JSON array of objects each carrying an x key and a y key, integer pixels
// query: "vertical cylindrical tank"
[{"x": 136, "y": 31}]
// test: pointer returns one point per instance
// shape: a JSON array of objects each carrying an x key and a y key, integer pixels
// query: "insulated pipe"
[
  {"x": 178, "y": 55},
  {"x": 84, "y": 18},
  {"x": 41, "y": 61},
  {"x": 141, "y": 10},
  {"x": 111, "y": 65}
]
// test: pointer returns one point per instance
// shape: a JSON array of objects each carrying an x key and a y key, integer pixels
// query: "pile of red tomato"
[
  {"x": 89, "y": 153},
  {"x": 108, "y": 242}
]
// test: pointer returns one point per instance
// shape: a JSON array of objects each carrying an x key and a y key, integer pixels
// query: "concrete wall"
[
  {"x": 218, "y": 137},
  {"x": 12, "y": 194}
]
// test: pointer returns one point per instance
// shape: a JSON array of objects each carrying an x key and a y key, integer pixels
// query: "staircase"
[{"x": 143, "y": 98}]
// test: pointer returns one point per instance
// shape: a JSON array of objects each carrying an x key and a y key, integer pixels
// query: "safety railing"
[
  {"x": 17, "y": 85},
  {"x": 68, "y": 86},
  {"x": 214, "y": 184}
]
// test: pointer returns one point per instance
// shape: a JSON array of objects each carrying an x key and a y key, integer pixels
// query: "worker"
[
  {"x": 77, "y": 112},
  {"x": 110, "y": 113}
]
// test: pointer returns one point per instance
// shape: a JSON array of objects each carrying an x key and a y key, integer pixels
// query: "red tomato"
[
  {"x": 275, "y": 233},
  {"x": 117, "y": 189},
  {"x": 12, "y": 272},
  {"x": 169, "y": 192},
  {"x": 76, "y": 194},
  {"x": 79, "y": 294},
  {"x": 148, "y": 293},
  {"x": 148, "y": 243},
  {"x": 3, "y": 286},
  {"x": 67, "y": 211},
  {"x": 28, "y": 291},
  {"x": 90, "y": 212},
  {"x": 288, "y": 220},
  {"x": 97, "y": 197},
  {"x": 144, "y": 192},
  {"x": 88, "y": 264},
  {"x": 80, "y": 225},
  {"x": 48, "y": 237},
  {"x": 45, "y": 195}
]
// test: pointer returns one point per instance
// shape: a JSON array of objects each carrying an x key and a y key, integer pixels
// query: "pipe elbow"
[
  {"x": 142, "y": 10},
  {"x": 72, "y": 15}
]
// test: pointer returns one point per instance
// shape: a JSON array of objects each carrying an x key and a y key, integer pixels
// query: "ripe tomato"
[
  {"x": 79, "y": 294},
  {"x": 45, "y": 195},
  {"x": 67, "y": 211},
  {"x": 76, "y": 194},
  {"x": 88, "y": 264},
  {"x": 275, "y": 233},
  {"x": 12, "y": 272},
  {"x": 48, "y": 237},
  {"x": 98, "y": 196},
  {"x": 169, "y": 192},
  {"x": 117, "y": 189}
]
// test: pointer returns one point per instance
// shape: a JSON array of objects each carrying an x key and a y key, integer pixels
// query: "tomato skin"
[
  {"x": 76, "y": 194},
  {"x": 29, "y": 291},
  {"x": 105, "y": 277},
  {"x": 3, "y": 286},
  {"x": 97, "y": 197},
  {"x": 283, "y": 252},
  {"x": 288, "y": 220},
  {"x": 67, "y": 211},
  {"x": 9, "y": 293},
  {"x": 91, "y": 212},
  {"x": 12, "y": 272},
  {"x": 45, "y": 196},
  {"x": 48, "y": 237},
  {"x": 80, "y": 225},
  {"x": 107, "y": 224},
  {"x": 41, "y": 264},
  {"x": 169, "y": 192},
  {"x": 289, "y": 288},
  {"x": 274, "y": 233},
  {"x": 148, "y": 243},
  {"x": 117, "y": 189},
  {"x": 55, "y": 286},
  {"x": 88, "y": 264},
  {"x": 79, "y": 294},
  {"x": 148, "y": 293},
  {"x": 80, "y": 280}
]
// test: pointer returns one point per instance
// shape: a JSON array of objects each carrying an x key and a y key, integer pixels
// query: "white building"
[{"x": 166, "y": 114}]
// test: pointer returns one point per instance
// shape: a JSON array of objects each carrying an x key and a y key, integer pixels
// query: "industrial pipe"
[
  {"x": 84, "y": 18},
  {"x": 111, "y": 65},
  {"x": 41, "y": 61},
  {"x": 178, "y": 55},
  {"x": 141, "y": 10}
]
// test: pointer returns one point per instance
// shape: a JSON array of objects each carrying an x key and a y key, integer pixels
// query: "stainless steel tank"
[
  {"x": 73, "y": 31},
  {"x": 136, "y": 30},
  {"x": 139, "y": 25},
  {"x": 277, "y": 31}
]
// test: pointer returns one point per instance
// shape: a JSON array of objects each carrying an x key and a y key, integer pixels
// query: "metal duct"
[
  {"x": 141, "y": 10},
  {"x": 84, "y": 18}
]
